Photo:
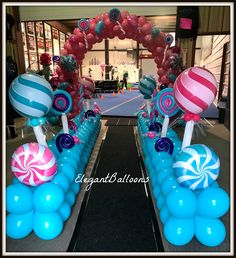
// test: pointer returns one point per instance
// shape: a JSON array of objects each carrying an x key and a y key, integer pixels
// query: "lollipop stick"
[
  {"x": 121, "y": 28},
  {"x": 40, "y": 135},
  {"x": 148, "y": 104},
  {"x": 188, "y": 132},
  {"x": 87, "y": 104},
  {"x": 165, "y": 126},
  {"x": 64, "y": 121},
  {"x": 85, "y": 39}
]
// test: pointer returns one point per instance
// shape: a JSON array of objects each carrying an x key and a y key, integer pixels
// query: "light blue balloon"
[
  {"x": 70, "y": 198},
  {"x": 179, "y": 231},
  {"x": 48, "y": 197},
  {"x": 164, "y": 163},
  {"x": 212, "y": 203},
  {"x": 163, "y": 173},
  {"x": 19, "y": 225},
  {"x": 62, "y": 181},
  {"x": 64, "y": 211},
  {"x": 160, "y": 201},
  {"x": 209, "y": 232},
  {"x": 75, "y": 187},
  {"x": 156, "y": 191},
  {"x": 64, "y": 159},
  {"x": 164, "y": 214},
  {"x": 182, "y": 203},
  {"x": 169, "y": 184},
  {"x": 47, "y": 226},
  {"x": 19, "y": 199},
  {"x": 67, "y": 170}
]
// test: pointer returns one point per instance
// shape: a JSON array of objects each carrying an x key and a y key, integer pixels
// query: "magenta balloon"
[{"x": 146, "y": 28}]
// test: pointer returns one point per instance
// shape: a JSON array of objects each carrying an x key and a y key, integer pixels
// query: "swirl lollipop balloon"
[
  {"x": 32, "y": 96},
  {"x": 146, "y": 86},
  {"x": 166, "y": 106},
  {"x": 64, "y": 140},
  {"x": 114, "y": 16},
  {"x": 68, "y": 63},
  {"x": 33, "y": 164},
  {"x": 62, "y": 104},
  {"x": 194, "y": 91},
  {"x": 83, "y": 25},
  {"x": 164, "y": 144},
  {"x": 196, "y": 167},
  {"x": 89, "y": 88}
]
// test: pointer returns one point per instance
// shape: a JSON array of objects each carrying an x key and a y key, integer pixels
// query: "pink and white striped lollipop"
[
  {"x": 195, "y": 89},
  {"x": 33, "y": 164},
  {"x": 89, "y": 86}
]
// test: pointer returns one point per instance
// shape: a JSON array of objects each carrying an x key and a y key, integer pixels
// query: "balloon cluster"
[
  {"x": 183, "y": 176},
  {"x": 44, "y": 190}
]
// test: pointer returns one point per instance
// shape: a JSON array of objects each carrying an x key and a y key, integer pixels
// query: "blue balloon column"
[
  {"x": 41, "y": 196},
  {"x": 184, "y": 186}
]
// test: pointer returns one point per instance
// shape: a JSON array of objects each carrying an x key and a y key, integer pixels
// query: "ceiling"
[{"x": 164, "y": 23}]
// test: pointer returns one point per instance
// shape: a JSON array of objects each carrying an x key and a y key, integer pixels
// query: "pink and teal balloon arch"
[{"x": 124, "y": 26}]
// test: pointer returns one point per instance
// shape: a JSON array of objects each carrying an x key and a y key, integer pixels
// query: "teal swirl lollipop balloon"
[
  {"x": 196, "y": 167},
  {"x": 99, "y": 27},
  {"x": 146, "y": 86}
]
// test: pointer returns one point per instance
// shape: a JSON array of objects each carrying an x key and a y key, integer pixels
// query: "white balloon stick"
[
  {"x": 87, "y": 104},
  {"x": 64, "y": 121},
  {"x": 41, "y": 138},
  {"x": 148, "y": 105},
  {"x": 188, "y": 132},
  {"x": 165, "y": 126}
]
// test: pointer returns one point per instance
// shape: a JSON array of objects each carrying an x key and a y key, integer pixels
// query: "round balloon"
[
  {"x": 179, "y": 231},
  {"x": 64, "y": 211},
  {"x": 196, "y": 166},
  {"x": 47, "y": 226},
  {"x": 68, "y": 63},
  {"x": 212, "y": 203},
  {"x": 33, "y": 164},
  {"x": 182, "y": 203},
  {"x": 19, "y": 199},
  {"x": 195, "y": 89},
  {"x": 48, "y": 197},
  {"x": 19, "y": 225},
  {"x": 209, "y": 232},
  {"x": 31, "y": 95}
]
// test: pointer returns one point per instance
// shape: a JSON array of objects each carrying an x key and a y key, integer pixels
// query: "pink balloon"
[
  {"x": 195, "y": 89},
  {"x": 92, "y": 27},
  {"x": 64, "y": 52},
  {"x": 99, "y": 39},
  {"x": 142, "y": 20},
  {"x": 98, "y": 18},
  {"x": 160, "y": 50},
  {"x": 161, "y": 72},
  {"x": 108, "y": 23},
  {"x": 121, "y": 35},
  {"x": 82, "y": 47},
  {"x": 148, "y": 39},
  {"x": 116, "y": 30},
  {"x": 146, "y": 28},
  {"x": 33, "y": 164},
  {"x": 125, "y": 24},
  {"x": 80, "y": 36},
  {"x": 90, "y": 38},
  {"x": 124, "y": 15},
  {"x": 105, "y": 16},
  {"x": 89, "y": 86}
]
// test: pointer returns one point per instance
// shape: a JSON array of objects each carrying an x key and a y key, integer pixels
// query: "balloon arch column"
[{"x": 183, "y": 176}]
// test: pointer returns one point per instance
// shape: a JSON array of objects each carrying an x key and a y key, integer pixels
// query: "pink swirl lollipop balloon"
[
  {"x": 33, "y": 164},
  {"x": 89, "y": 86}
]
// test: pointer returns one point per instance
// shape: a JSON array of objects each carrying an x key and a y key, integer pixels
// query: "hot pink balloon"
[
  {"x": 33, "y": 164},
  {"x": 146, "y": 28},
  {"x": 142, "y": 20},
  {"x": 195, "y": 89}
]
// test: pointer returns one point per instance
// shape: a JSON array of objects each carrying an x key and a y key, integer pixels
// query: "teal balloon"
[
  {"x": 209, "y": 232},
  {"x": 64, "y": 211},
  {"x": 160, "y": 201},
  {"x": 67, "y": 170},
  {"x": 65, "y": 159},
  {"x": 156, "y": 191},
  {"x": 19, "y": 199},
  {"x": 212, "y": 203},
  {"x": 163, "y": 173},
  {"x": 182, "y": 203},
  {"x": 70, "y": 198},
  {"x": 164, "y": 214},
  {"x": 169, "y": 184},
  {"x": 157, "y": 156},
  {"x": 19, "y": 225},
  {"x": 53, "y": 120},
  {"x": 75, "y": 187},
  {"x": 47, "y": 226},
  {"x": 155, "y": 32},
  {"x": 62, "y": 181},
  {"x": 179, "y": 231},
  {"x": 99, "y": 27},
  {"x": 48, "y": 197},
  {"x": 164, "y": 163}
]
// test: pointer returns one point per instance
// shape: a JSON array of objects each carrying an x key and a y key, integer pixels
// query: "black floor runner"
[{"x": 117, "y": 217}]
